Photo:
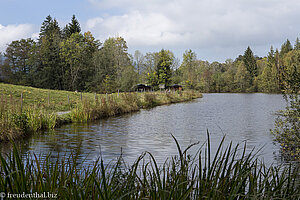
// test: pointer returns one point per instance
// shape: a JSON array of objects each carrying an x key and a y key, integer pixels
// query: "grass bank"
[
  {"x": 229, "y": 174},
  {"x": 25, "y": 110}
]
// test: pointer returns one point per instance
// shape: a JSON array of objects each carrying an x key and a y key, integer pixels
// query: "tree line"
[
  {"x": 67, "y": 59},
  {"x": 247, "y": 73}
]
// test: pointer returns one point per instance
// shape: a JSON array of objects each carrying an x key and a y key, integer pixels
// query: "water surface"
[{"x": 241, "y": 117}]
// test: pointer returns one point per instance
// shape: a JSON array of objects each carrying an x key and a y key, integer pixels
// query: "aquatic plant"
[
  {"x": 113, "y": 104},
  {"x": 15, "y": 122},
  {"x": 229, "y": 174}
]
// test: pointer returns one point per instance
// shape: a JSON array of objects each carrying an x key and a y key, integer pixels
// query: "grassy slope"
[
  {"x": 39, "y": 114},
  {"x": 39, "y": 97}
]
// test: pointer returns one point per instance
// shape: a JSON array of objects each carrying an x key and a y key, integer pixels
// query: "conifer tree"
[
  {"x": 49, "y": 27},
  {"x": 250, "y": 64},
  {"x": 286, "y": 47},
  {"x": 271, "y": 55},
  {"x": 297, "y": 44},
  {"x": 48, "y": 66},
  {"x": 72, "y": 27}
]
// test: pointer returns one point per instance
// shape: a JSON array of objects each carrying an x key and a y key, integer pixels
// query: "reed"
[
  {"x": 27, "y": 110},
  {"x": 228, "y": 174},
  {"x": 15, "y": 123},
  {"x": 114, "y": 104}
]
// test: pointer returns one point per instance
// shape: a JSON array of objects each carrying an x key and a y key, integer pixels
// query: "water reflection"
[{"x": 241, "y": 117}]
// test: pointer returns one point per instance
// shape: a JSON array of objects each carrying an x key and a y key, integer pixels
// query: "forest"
[{"x": 67, "y": 59}]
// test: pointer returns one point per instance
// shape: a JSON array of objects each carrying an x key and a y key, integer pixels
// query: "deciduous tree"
[
  {"x": 17, "y": 55},
  {"x": 188, "y": 69},
  {"x": 163, "y": 67},
  {"x": 71, "y": 52}
]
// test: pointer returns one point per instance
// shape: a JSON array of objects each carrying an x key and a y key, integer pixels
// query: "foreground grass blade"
[{"x": 230, "y": 175}]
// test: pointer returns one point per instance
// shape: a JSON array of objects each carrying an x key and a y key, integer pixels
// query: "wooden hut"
[{"x": 143, "y": 88}]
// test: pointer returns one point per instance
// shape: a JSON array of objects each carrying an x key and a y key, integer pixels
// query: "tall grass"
[
  {"x": 228, "y": 174},
  {"x": 17, "y": 121},
  {"x": 113, "y": 104}
]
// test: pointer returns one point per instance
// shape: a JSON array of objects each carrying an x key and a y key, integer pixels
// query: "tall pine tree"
[
  {"x": 250, "y": 64},
  {"x": 286, "y": 47},
  {"x": 48, "y": 67},
  {"x": 72, "y": 27},
  {"x": 297, "y": 44},
  {"x": 49, "y": 28}
]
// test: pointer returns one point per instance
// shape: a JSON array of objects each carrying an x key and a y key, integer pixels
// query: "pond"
[{"x": 240, "y": 117}]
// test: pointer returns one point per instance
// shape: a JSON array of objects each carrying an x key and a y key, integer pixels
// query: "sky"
[{"x": 214, "y": 29}]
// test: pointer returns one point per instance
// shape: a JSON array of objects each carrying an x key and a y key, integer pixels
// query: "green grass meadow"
[{"x": 25, "y": 110}]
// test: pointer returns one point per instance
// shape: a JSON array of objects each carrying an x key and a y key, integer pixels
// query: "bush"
[
  {"x": 21, "y": 121},
  {"x": 287, "y": 128}
]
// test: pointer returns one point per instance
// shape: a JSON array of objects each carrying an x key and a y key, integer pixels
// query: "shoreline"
[{"x": 33, "y": 120}]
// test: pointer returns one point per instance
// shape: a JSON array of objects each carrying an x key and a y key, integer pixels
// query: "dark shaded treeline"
[{"x": 67, "y": 59}]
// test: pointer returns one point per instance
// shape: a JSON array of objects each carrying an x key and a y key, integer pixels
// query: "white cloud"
[
  {"x": 13, "y": 32},
  {"x": 138, "y": 28},
  {"x": 199, "y": 24}
]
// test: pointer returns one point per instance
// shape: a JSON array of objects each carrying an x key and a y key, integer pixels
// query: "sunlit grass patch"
[{"x": 25, "y": 110}]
